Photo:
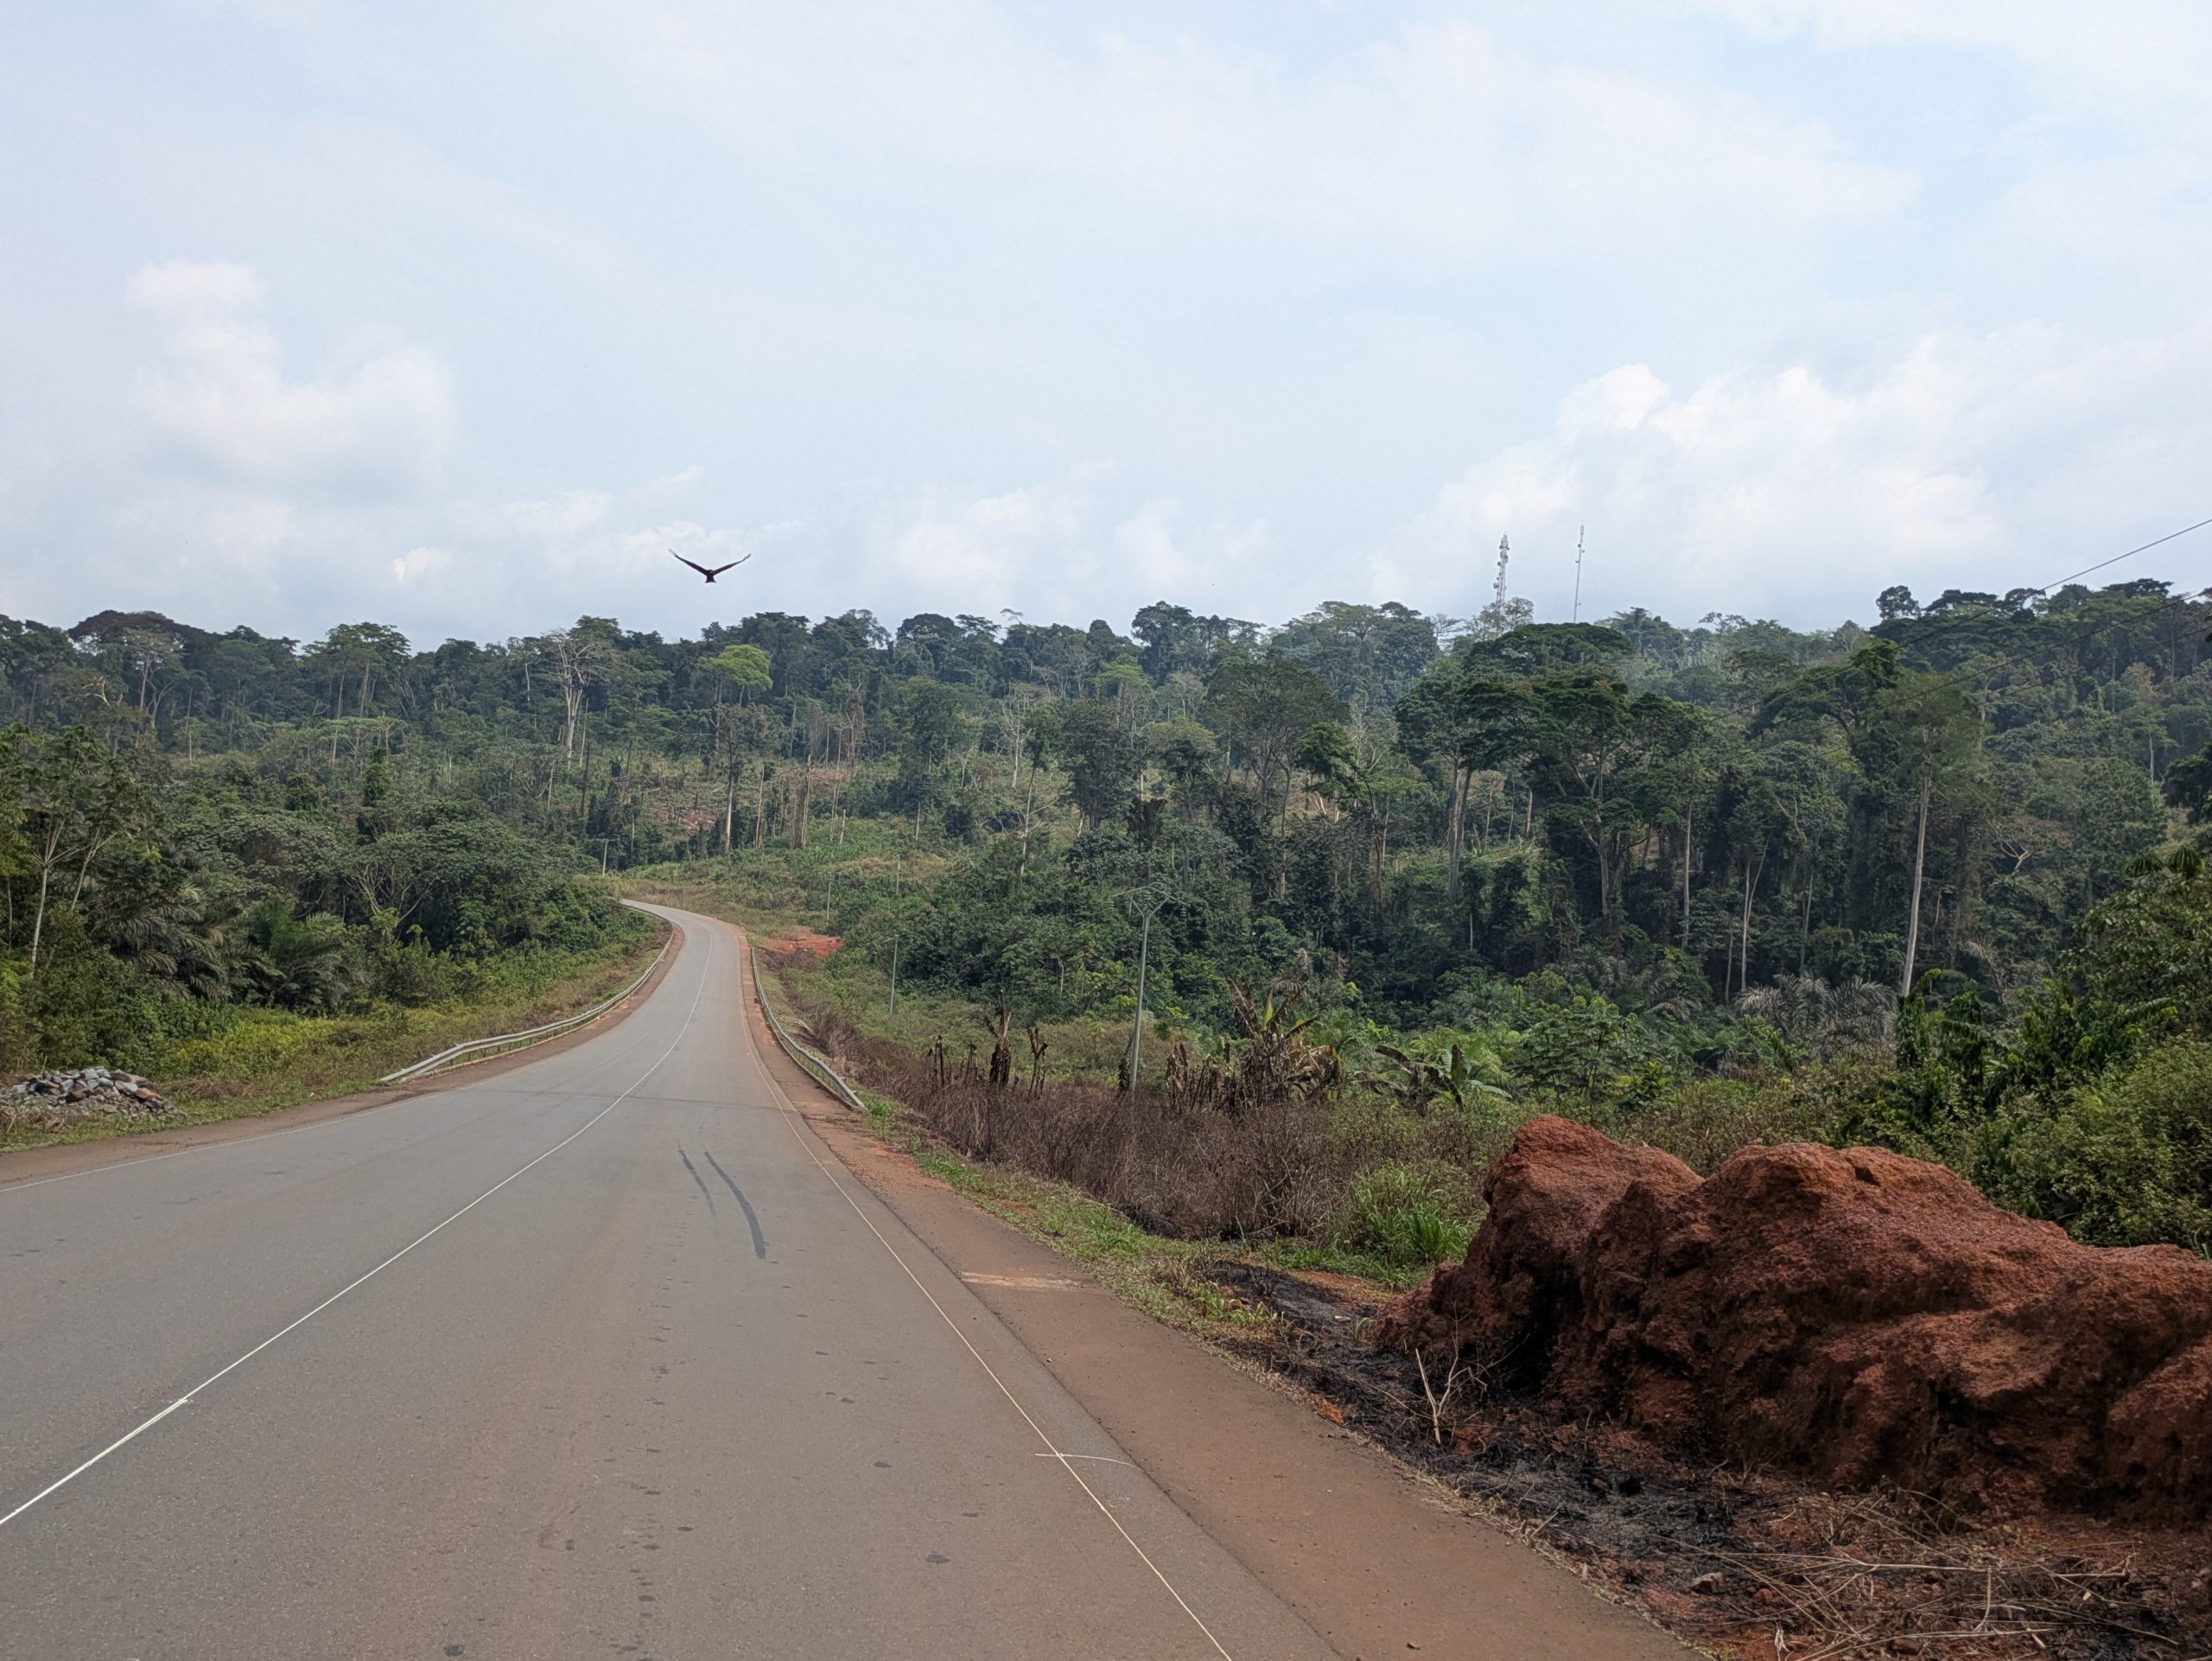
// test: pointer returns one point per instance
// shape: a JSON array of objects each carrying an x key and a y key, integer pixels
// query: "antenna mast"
[
  {"x": 1504, "y": 549},
  {"x": 1579, "y": 530}
]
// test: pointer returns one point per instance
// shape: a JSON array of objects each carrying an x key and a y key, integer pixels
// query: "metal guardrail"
[
  {"x": 533, "y": 1035},
  {"x": 818, "y": 1069}
]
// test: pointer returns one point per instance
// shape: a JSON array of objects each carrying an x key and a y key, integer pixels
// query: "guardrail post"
[{"x": 810, "y": 1063}]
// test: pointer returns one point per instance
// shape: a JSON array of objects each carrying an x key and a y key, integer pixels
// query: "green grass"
[{"x": 260, "y": 1060}]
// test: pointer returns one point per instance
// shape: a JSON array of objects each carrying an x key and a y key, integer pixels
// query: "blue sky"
[{"x": 460, "y": 316}]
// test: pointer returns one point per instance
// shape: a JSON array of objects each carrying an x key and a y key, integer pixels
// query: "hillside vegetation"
[
  {"x": 265, "y": 908},
  {"x": 1393, "y": 883}
]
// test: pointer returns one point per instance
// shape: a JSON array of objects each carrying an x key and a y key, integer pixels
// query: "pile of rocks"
[{"x": 52, "y": 1100}]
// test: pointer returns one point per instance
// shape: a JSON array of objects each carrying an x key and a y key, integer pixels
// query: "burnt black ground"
[{"x": 1720, "y": 1556}]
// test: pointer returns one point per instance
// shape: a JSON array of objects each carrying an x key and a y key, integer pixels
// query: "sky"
[{"x": 461, "y": 317}]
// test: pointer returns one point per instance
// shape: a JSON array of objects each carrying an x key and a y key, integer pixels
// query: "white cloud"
[
  {"x": 1992, "y": 462},
  {"x": 2133, "y": 63},
  {"x": 1433, "y": 142},
  {"x": 563, "y": 514},
  {"x": 2143, "y": 209},
  {"x": 417, "y": 563},
  {"x": 670, "y": 486},
  {"x": 951, "y": 549},
  {"x": 1058, "y": 550},
  {"x": 377, "y": 423},
  {"x": 197, "y": 291}
]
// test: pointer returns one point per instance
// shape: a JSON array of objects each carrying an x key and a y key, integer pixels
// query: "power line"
[
  {"x": 2130, "y": 554},
  {"x": 1965, "y": 618},
  {"x": 1929, "y": 627}
]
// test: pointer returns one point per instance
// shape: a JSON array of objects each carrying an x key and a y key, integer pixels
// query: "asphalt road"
[{"x": 603, "y": 1355}]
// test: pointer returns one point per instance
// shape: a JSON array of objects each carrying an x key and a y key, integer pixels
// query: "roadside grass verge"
[
  {"x": 1169, "y": 1280},
  {"x": 1173, "y": 1281},
  {"x": 259, "y": 1061}
]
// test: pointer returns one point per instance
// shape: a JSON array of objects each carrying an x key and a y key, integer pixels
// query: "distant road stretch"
[{"x": 606, "y": 1355}]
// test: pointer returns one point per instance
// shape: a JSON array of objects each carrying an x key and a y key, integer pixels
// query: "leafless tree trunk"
[
  {"x": 1455, "y": 832},
  {"x": 1919, "y": 870},
  {"x": 1689, "y": 840},
  {"x": 1752, "y": 872},
  {"x": 803, "y": 801}
]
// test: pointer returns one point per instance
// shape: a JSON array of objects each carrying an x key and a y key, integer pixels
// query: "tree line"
[
  {"x": 1620, "y": 846},
  {"x": 1658, "y": 810}
]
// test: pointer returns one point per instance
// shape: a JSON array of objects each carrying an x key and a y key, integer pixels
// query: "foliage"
[
  {"x": 1406, "y": 881},
  {"x": 2124, "y": 1160},
  {"x": 1406, "y": 1214}
]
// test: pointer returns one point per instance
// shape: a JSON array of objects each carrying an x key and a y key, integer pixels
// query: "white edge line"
[
  {"x": 1096, "y": 1459},
  {"x": 1065, "y": 1460},
  {"x": 213, "y": 1378}
]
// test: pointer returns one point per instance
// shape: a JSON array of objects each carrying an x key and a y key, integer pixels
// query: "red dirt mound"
[
  {"x": 819, "y": 946},
  {"x": 1856, "y": 1316}
]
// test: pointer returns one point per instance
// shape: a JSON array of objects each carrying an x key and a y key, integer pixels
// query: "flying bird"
[{"x": 710, "y": 573}]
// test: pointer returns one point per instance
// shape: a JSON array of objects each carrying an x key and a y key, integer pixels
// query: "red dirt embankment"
[
  {"x": 806, "y": 940},
  {"x": 1856, "y": 1316}
]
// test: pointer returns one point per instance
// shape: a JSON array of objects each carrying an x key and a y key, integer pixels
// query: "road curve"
[{"x": 604, "y": 1355}]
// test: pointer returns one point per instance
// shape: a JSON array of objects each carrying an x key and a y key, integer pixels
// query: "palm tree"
[
  {"x": 291, "y": 964},
  {"x": 1806, "y": 1009},
  {"x": 176, "y": 937},
  {"x": 1461, "y": 1072}
]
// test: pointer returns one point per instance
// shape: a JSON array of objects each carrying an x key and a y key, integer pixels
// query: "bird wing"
[
  {"x": 733, "y": 565},
  {"x": 693, "y": 564}
]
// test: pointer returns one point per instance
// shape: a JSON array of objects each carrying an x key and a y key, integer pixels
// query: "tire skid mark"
[
  {"x": 759, "y": 1240},
  {"x": 701, "y": 1180}
]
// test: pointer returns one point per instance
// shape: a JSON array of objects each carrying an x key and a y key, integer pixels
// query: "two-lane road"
[{"x": 604, "y": 1355}]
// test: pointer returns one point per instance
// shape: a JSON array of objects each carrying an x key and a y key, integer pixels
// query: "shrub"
[
  {"x": 1406, "y": 1214},
  {"x": 1702, "y": 1121},
  {"x": 1586, "y": 1047},
  {"x": 2126, "y": 1160},
  {"x": 85, "y": 1005}
]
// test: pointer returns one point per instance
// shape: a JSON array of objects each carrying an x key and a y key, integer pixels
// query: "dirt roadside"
[
  {"x": 25, "y": 1166},
  {"x": 1378, "y": 1560}
]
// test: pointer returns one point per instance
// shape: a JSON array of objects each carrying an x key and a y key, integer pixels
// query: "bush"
[
  {"x": 2126, "y": 1160},
  {"x": 86, "y": 1006},
  {"x": 1406, "y": 1214},
  {"x": 1702, "y": 1121},
  {"x": 1585, "y": 1049}
]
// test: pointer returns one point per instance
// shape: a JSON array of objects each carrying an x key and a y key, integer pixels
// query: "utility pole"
[{"x": 1579, "y": 531}]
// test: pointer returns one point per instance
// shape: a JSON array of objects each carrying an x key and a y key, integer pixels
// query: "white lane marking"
[
  {"x": 215, "y": 1378},
  {"x": 1096, "y": 1459},
  {"x": 1066, "y": 1461}
]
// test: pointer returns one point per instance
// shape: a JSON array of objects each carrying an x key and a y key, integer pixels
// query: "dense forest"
[{"x": 1941, "y": 872}]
